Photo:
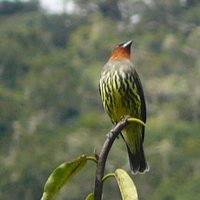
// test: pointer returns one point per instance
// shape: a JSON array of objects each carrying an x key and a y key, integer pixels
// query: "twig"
[{"x": 112, "y": 135}]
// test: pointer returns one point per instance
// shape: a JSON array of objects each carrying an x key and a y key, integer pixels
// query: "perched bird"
[{"x": 122, "y": 94}]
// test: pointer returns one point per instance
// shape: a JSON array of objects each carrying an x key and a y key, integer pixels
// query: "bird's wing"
[{"x": 143, "y": 104}]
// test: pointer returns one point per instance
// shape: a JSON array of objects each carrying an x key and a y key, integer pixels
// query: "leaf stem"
[
  {"x": 92, "y": 158},
  {"x": 131, "y": 119},
  {"x": 109, "y": 175}
]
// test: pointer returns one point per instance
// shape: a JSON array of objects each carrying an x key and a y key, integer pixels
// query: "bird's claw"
[{"x": 125, "y": 117}]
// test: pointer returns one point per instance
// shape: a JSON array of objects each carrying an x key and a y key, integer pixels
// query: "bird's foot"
[{"x": 125, "y": 117}]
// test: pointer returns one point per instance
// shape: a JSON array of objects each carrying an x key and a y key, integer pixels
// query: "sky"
[
  {"x": 57, "y": 6},
  {"x": 54, "y": 6}
]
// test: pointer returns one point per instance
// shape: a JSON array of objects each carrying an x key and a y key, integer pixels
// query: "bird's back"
[{"x": 118, "y": 90}]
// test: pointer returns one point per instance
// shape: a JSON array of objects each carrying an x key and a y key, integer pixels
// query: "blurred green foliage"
[{"x": 50, "y": 109}]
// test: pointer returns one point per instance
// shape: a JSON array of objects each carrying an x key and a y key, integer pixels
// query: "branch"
[{"x": 112, "y": 135}]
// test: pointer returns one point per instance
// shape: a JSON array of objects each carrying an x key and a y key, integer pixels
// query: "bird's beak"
[{"x": 127, "y": 44}]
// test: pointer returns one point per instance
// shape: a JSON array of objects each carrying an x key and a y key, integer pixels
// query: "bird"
[{"x": 122, "y": 95}]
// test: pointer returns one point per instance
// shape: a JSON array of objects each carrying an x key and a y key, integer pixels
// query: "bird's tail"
[{"x": 137, "y": 160}]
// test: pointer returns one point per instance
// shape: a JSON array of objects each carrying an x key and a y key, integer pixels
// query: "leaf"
[
  {"x": 126, "y": 185},
  {"x": 61, "y": 175},
  {"x": 90, "y": 196}
]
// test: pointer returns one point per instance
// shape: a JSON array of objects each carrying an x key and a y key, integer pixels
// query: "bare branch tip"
[{"x": 96, "y": 154}]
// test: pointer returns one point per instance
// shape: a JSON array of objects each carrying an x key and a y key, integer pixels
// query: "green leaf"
[
  {"x": 90, "y": 196},
  {"x": 126, "y": 185},
  {"x": 61, "y": 175}
]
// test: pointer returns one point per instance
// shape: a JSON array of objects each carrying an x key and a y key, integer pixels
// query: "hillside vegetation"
[{"x": 50, "y": 108}]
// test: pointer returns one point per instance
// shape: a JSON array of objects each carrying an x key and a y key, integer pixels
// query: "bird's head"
[{"x": 122, "y": 51}]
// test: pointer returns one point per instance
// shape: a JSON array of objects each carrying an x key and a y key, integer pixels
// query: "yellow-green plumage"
[
  {"x": 120, "y": 89},
  {"x": 120, "y": 97}
]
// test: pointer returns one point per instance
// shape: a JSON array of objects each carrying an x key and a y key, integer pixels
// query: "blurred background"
[{"x": 51, "y": 55}]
